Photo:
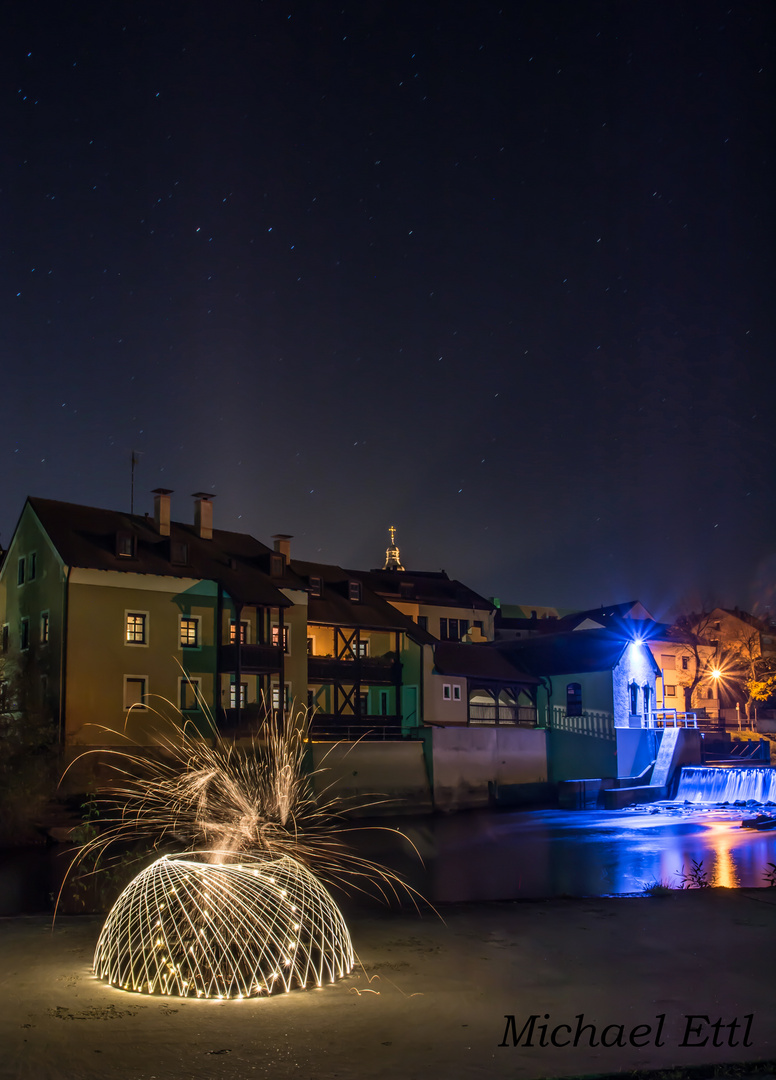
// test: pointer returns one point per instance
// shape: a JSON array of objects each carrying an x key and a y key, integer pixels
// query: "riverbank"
[{"x": 430, "y": 998}]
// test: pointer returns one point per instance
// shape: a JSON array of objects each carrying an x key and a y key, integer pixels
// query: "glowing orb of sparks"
[{"x": 192, "y": 928}]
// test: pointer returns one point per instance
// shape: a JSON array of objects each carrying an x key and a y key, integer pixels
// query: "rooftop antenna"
[{"x": 134, "y": 460}]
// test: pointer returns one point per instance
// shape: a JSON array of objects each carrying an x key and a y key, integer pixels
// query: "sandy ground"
[{"x": 430, "y": 1000}]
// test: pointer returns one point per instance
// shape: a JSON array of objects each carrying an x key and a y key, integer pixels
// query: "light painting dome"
[{"x": 191, "y": 928}]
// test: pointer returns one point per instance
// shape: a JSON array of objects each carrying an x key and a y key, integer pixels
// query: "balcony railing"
[
  {"x": 523, "y": 715},
  {"x": 354, "y": 728},
  {"x": 254, "y": 659},
  {"x": 374, "y": 670}
]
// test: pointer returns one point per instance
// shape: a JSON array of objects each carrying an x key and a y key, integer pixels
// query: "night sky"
[{"x": 500, "y": 274}]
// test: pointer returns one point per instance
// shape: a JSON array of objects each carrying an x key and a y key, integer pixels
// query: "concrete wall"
[
  {"x": 465, "y": 761},
  {"x": 636, "y": 749},
  {"x": 391, "y": 774},
  {"x": 576, "y": 756}
]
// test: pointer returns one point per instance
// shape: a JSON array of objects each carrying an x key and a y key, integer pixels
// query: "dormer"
[{"x": 126, "y": 544}]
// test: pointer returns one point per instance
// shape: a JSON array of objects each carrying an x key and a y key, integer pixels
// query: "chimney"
[
  {"x": 203, "y": 514},
  {"x": 162, "y": 510},
  {"x": 283, "y": 545}
]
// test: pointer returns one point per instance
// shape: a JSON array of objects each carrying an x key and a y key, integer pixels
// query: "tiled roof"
[
  {"x": 423, "y": 587},
  {"x": 566, "y": 654},
  {"x": 478, "y": 662},
  {"x": 335, "y": 608},
  {"x": 85, "y": 537}
]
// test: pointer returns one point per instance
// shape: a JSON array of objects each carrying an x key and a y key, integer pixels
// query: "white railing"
[
  {"x": 661, "y": 718},
  {"x": 592, "y": 722}
]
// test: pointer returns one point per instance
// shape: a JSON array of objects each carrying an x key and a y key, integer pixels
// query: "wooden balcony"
[
  {"x": 508, "y": 715},
  {"x": 371, "y": 670},
  {"x": 254, "y": 659}
]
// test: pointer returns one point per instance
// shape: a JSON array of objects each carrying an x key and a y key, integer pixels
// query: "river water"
[{"x": 498, "y": 855}]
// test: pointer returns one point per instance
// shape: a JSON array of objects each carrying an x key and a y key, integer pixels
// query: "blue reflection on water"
[{"x": 486, "y": 855}]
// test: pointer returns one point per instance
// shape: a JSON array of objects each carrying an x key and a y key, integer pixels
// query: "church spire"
[{"x": 392, "y": 557}]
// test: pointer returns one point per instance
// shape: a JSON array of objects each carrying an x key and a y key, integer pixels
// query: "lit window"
[
  {"x": 354, "y": 591},
  {"x": 189, "y": 695},
  {"x": 362, "y": 649},
  {"x": 233, "y": 695},
  {"x": 233, "y": 633},
  {"x": 135, "y": 691},
  {"x": 456, "y": 693},
  {"x": 276, "y": 637},
  {"x": 573, "y": 699},
  {"x": 44, "y": 627},
  {"x": 136, "y": 628},
  {"x": 24, "y": 641},
  {"x": 316, "y": 586},
  {"x": 446, "y": 692},
  {"x": 189, "y": 632}
]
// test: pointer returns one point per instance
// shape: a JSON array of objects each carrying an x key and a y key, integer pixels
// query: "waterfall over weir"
[{"x": 709, "y": 784}]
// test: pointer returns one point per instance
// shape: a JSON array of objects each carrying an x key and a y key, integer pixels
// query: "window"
[
  {"x": 423, "y": 622},
  {"x": 316, "y": 586},
  {"x": 463, "y": 628},
  {"x": 710, "y": 692},
  {"x": 361, "y": 650},
  {"x": 685, "y": 663},
  {"x": 135, "y": 691},
  {"x": 276, "y": 696},
  {"x": 179, "y": 553},
  {"x": 406, "y": 590},
  {"x": 478, "y": 624},
  {"x": 668, "y": 662},
  {"x": 5, "y": 637},
  {"x": 32, "y": 566},
  {"x": 451, "y": 629},
  {"x": 276, "y": 637},
  {"x": 125, "y": 545},
  {"x": 189, "y": 632},
  {"x": 383, "y": 703},
  {"x": 573, "y": 699},
  {"x": 20, "y": 572},
  {"x": 188, "y": 694},
  {"x": 233, "y": 633},
  {"x": 233, "y": 695},
  {"x": 443, "y": 629},
  {"x": 354, "y": 591},
  {"x": 44, "y": 627},
  {"x": 446, "y": 692},
  {"x": 310, "y": 646},
  {"x": 634, "y": 699},
  {"x": 647, "y": 691},
  {"x": 456, "y": 693},
  {"x": 136, "y": 628},
  {"x": 670, "y": 691},
  {"x": 276, "y": 565},
  {"x": 24, "y": 640},
  {"x": 363, "y": 704}
]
